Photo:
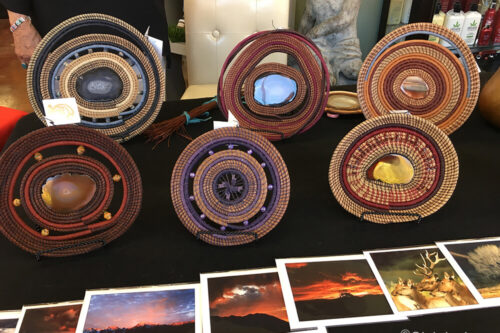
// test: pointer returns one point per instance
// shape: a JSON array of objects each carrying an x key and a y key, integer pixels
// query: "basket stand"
[
  {"x": 418, "y": 217},
  {"x": 227, "y": 233},
  {"x": 39, "y": 254}
]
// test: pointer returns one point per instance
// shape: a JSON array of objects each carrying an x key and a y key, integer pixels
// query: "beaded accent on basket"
[
  {"x": 420, "y": 76},
  {"x": 230, "y": 186},
  {"x": 243, "y": 69},
  {"x": 417, "y": 168},
  {"x": 115, "y": 76},
  {"x": 62, "y": 180}
]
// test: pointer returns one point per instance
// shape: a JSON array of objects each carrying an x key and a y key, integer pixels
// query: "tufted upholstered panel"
[{"x": 214, "y": 27}]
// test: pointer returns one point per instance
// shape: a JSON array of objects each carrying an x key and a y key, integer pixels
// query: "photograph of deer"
[
  {"x": 420, "y": 280},
  {"x": 478, "y": 264}
]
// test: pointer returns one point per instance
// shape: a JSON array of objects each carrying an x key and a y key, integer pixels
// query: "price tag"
[
  {"x": 231, "y": 122},
  {"x": 61, "y": 111}
]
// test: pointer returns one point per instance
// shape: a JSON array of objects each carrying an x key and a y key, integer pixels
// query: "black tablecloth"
[{"x": 159, "y": 250}]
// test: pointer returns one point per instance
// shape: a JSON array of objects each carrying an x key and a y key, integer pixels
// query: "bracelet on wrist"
[{"x": 18, "y": 22}]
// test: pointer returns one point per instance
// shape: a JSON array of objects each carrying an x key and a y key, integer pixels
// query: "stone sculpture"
[{"x": 331, "y": 24}]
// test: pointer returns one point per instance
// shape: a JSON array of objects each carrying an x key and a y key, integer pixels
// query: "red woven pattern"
[
  {"x": 453, "y": 88},
  {"x": 237, "y": 75},
  {"x": 428, "y": 149},
  {"x": 30, "y": 224}
]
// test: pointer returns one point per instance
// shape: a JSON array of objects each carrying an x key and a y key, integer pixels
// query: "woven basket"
[
  {"x": 26, "y": 218},
  {"x": 61, "y": 64},
  {"x": 424, "y": 145},
  {"x": 243, "y": 67},
  {"x": 452, "y": 84},
  {"x": 230, "y": 186}
]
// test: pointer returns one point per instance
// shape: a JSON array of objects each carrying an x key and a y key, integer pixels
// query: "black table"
[{"x": 159, "y": 250}]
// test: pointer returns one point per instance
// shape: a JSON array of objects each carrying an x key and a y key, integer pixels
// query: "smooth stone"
[
  {"x": 68, "y": 192},
  {"x": 99, "y": 85},
  {"x": 392, "y": 169},
  {"x": 415, "y": 87},
  {"x": 343, "y": 102},
  {"x": 274, "y": 89}
]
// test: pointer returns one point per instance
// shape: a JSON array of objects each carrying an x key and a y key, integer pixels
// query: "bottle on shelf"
[
  {"x": 454, "y": 21},
  {"x": 405, "y": 16},
  {"x": 445, "y": 5},
  {"x": 489, "y": 15},
  {"x": 438, "y": 19},
  {"x": 485, "y": 36},
  {"x": 487, "y": 25},
  {"x": 395, "y": 12},
  {"x": 496, "y": 30},
  {"x": 471, "y": 25}
]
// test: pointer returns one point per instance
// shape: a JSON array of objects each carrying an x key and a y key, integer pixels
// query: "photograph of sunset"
[
  {"x": 8, "y": 325},
  {"x": 166, "y": 311},
  {"x": 250, "y": 303},
  {"x": 325, "y": 290},
  {"x": 50, "y": 319}
]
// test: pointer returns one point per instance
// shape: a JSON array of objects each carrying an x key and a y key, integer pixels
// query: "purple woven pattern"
[
  {"x": 243, "y": 67},
  {"x": 230, "y": 186}
]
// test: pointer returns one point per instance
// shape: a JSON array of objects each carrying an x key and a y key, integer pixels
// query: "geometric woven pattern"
[
  {"x": 115, "y": 75},
  {"x": 230, "y": 186},
  {"x": 450, "y": 85},
  {"x": 425, "y": 146},
  {"x": 85, "y": 161},
  {"x": 243, "y": 68}
]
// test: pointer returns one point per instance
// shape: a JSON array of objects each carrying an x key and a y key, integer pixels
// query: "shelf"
[
  {"x": 178, "y": 48},
  {"x": 476, "y": 49}
]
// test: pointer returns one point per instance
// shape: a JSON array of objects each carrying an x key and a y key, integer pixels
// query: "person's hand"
[{"x": 26, "y": 38}]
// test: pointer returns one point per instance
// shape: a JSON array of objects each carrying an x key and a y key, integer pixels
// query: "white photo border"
[
  {"x": 412, "y": 313},
  {"x": 4, "y": 315},
  {"x": 206, "y": 299},
  {"x": 90, "y": 293},
  {"x": 443, "y": 247},
  {"x": 40, "y": 306},
  {"x": 293, "y": 318}
]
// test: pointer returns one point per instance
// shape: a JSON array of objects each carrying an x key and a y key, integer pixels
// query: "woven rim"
[
  {"x": 429, "y": 150},
  {"x": 242, "y": 67},
  {"x": 230, "y": 186},
  {"x": 57, "y": 63},
  {"x": 27, "y": 164},
  {"x": 453, "y": 84}
]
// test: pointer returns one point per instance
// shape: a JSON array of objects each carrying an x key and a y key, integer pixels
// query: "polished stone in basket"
[{"x": 275, "y": 89}]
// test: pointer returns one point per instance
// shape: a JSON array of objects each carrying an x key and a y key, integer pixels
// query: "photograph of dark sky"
[
  {"x": 57, "y": 319},
  {"x": 245, "y": 295},
  {"x": 331, "y": 280},
  {"x": 8, "y": 325},
  {"x": 127, "y": 310}
]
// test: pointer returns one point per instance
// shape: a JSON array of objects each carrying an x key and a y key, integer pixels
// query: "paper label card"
[
  {"x": 231, "y": 122},
  {"x": 157, "y": 46},
  {"x": 61, "y": 111}
]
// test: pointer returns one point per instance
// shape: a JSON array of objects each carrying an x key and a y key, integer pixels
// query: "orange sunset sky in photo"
[
  {"x": 245, "y": 295},
  {"x": 313, "y": 281}
]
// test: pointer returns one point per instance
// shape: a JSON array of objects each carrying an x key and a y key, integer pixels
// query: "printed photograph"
[
  {"x": 479, "y": 260},
  {"x": 248, "y": 301},
  {"x": 420, "y": 279},
  {"x": 169, "y": 309},
  {"x": 332, "y": 290},
  {"x": 49, "y": 318},
  {"x": 8, "y": 321}
]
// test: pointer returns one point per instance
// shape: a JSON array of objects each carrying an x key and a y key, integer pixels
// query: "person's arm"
[{"x": 26, "y": 37}]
